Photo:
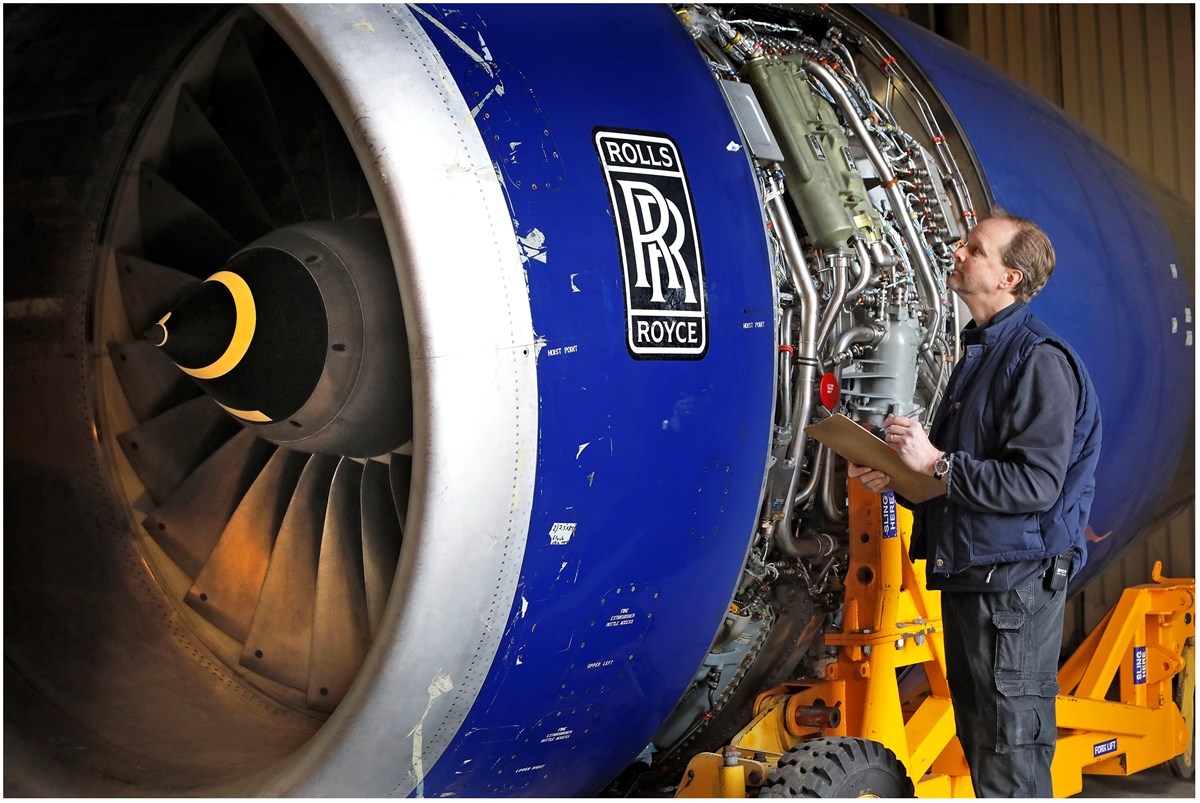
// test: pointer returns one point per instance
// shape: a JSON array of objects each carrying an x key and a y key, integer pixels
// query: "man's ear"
[{"x": 1010, "y": 279}]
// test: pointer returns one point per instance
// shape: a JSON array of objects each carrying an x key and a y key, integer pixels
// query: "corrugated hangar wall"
[{"x": 1127, "y": 73}]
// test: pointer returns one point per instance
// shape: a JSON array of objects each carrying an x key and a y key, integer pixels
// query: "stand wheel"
[
  {"x": 838, "y": 766},
  {"x": 1184, "y": 764}
]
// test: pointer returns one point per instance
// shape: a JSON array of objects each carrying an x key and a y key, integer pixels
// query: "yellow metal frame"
[{"x": 892, "y": 621}]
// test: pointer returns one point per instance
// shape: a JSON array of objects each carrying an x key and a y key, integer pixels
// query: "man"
[{"x": 1017, "y": 439}]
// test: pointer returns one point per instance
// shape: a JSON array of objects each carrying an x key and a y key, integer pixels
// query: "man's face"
[{"x": 978, "y": 270}]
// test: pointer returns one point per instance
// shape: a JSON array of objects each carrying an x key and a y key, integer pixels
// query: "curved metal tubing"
[
  {"x": 806, "y": 359},
  {"x": 924, "y": 271}
]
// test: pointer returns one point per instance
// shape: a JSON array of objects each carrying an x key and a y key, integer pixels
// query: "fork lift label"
[{"x": 1104, "y": 748}]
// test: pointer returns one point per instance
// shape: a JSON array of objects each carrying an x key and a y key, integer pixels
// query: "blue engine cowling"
[
  {"x": 1117, "y": 291},
  {"x": 1120, "y": 292},
  {"x": 591, "y": 246},
  {"x": 649, "y": 466}
]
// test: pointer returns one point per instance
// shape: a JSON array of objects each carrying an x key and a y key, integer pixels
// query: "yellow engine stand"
[{"x": 891, "y": 621}]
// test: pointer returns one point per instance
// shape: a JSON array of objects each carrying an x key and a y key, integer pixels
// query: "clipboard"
[{"x": 859, "y": 446}]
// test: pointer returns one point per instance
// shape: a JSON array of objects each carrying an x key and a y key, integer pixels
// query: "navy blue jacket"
[{"x": 976, "y": 523}]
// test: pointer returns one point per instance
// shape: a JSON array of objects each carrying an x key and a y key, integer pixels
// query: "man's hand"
[
  {"x": 908, "y": 440},
  {"x": 872, "y": 480},
  {"x": 910, "y": 443}
]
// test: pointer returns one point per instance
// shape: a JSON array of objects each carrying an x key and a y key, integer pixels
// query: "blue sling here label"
[{"x": 889, "y": 514}]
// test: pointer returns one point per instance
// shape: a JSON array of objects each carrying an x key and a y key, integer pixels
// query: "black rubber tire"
[
  {"x": 838, "y": 766},
  {"x": 1184, "y": 765}
]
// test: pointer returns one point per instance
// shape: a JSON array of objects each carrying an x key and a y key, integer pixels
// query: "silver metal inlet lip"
[{"x": 473, "y": 464}]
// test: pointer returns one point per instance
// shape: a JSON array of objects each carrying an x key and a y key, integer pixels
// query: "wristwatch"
[{"x": 941, "y": 467}]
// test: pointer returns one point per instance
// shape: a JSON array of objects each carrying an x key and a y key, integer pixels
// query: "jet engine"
[{"x": 410, "y": 400}]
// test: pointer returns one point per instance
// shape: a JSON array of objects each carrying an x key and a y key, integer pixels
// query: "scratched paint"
[
  {"x": 498, "y": 89},
  {"x": 533, "y": 246},
  {"x": 478, "y": 58},
  {"x": 439, "y": 686}
]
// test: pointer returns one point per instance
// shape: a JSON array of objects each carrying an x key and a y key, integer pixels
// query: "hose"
[
  {"x": 838, "y": 263},
  {"x": 806, "y": 354},
  {"x": 924, "y": 271}
]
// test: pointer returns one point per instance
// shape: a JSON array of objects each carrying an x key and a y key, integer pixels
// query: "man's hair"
[{"x": 1029, "y": 251}]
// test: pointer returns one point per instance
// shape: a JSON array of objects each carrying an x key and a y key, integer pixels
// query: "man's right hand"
[{"x": 872, "y": 480}]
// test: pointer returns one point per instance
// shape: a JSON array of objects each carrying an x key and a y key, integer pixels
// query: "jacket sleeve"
[{"x": 1038, "y": 425}]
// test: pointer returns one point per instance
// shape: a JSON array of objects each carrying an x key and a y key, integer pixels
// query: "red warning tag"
[{"x": 829, "y": 391}]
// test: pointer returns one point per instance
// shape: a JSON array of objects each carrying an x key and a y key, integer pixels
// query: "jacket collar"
[{"x": 998, "y": 327}]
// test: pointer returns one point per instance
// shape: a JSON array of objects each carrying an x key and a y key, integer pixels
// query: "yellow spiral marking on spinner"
[
  {"x": 256, "y": 416},
  {"x": 166, "y": 332},
  {"x": 245, "y": 319}
]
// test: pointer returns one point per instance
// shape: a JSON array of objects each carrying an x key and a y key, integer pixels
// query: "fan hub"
[{"x": 283, "y": 334}]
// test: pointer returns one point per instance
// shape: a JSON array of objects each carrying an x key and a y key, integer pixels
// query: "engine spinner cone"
[{"x": 301, "y": 337}]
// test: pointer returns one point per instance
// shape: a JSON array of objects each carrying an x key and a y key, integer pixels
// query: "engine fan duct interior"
[{"x": 247, "y": 465}]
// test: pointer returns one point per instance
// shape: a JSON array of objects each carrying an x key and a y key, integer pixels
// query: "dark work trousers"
[{"x": 1001, "y": 662}]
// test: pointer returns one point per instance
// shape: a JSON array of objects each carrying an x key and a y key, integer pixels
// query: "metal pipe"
[
  {"x": 837, "y": 262},
  {"x": 820, "y": 459},
  {"x": 864, "y": 269},
  {"x": 810, "y": 544},
  {"x": 888, "y": 179},
  {"x": 881, "y": 258},
  {"x": 806, "y": 354},
  {"x": 785, "y": 368},
  {"x": 828, "y": 504},
  {"x": 857, "y": 334},
  {"x": 713, "y": 52},
  {"x": 806, "y": 348}
]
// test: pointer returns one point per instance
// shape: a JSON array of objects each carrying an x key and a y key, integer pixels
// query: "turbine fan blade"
[
  {"x": 150, "y": 291},
  {"x": 381, "y": 536},
  {"x": 399, "y": 476},
  {"x": 241, "y": 114},
  {"x": 227, "y": 589},
  {"x": 189, "y": 523},
  {"x": 341, "y": 631},
  {"x": 150, "y": 380},
  {"x": 365, "y": 201},
  {"x": 176, "y": 232},
  {"x": 165, "y": 449},
  {"x": 301, "y": 133},
  {"x": 201, "y": 166},
  {"x": 343, "y": 176},
  {"x": 280, "y": 639}
]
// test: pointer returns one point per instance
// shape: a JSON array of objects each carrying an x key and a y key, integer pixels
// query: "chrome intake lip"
[{"x": 473, "y": 465}]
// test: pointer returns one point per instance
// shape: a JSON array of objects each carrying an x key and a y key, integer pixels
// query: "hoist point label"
[{"x": 666, "y": 305}]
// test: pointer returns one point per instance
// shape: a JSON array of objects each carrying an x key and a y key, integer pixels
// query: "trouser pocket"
[
  {"x": 1010, "y": 652},
  {"x": 1026, "y": 696},
  {"x": 1024, "y": 721}
]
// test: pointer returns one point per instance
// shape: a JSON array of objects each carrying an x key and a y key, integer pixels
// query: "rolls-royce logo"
[{"x": 666, "y": 313}]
